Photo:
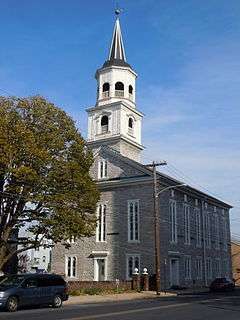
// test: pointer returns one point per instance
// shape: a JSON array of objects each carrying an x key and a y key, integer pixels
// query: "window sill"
[{"x": 134, "y": 241}]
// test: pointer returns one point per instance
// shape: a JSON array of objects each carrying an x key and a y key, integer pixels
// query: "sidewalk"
[{"x": 115, "y": 297}]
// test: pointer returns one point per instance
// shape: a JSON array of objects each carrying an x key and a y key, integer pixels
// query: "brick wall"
[
  {"x": 235, "y": 248},
  {"x": 108, "y": 285}
]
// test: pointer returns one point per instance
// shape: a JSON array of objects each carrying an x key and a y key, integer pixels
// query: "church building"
[{"x": 194, "y": 226}]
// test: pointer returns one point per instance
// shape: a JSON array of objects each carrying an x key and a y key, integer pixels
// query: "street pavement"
[{"x": 199, "y": 307}]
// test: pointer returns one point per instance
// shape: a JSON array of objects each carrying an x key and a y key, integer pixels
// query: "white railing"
[
  {"x": 130, "y": 96},
  {"x": 104, "y": 129},
  {"x": 105, "y": 94},
  {"x": 130, "y": 131},
  {"x": 119, "y": 93}
]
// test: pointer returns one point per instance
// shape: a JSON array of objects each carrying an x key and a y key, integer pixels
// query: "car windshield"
[{"x": 11, "y": 281}]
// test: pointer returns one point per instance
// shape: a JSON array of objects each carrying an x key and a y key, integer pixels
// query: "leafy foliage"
[{"x": 45, "y": 184}]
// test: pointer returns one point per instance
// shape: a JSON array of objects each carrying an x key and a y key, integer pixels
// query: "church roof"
[
  {"x": 117, "y": 55},
  {"x": 164, "y": 178}
]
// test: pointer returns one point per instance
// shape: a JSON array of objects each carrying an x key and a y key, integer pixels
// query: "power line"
[{"x": 179, "y": 174}]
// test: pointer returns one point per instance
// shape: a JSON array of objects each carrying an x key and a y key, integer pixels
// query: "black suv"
[{"x": 32, "y": 290}]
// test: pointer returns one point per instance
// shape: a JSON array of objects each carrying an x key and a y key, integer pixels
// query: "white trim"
[
  {"x": 217, "y": 231},
  {"x": 187, "y": 267},
  {"x": 187, "y": 224},
  {"x": 101, "y": 223},
  {"x": 71, "y": 256},
  {"x": 225, "y": 233},
  {"x": 133, "y": 256},
  {"x": 100, "y": 253},
  {"x": 96, "y": 267},
  {"x": 209, "y": 268},
  {"x": 199, "y": 267},
  {"x": 134, "y": 202},
  {"x": 197, "y": 215},
  {"x": 208, "y": 230},
  {"x": 171, "y": 271},
  {"x": 102, "y": 169},
  {"x": 173, "y": 221}
]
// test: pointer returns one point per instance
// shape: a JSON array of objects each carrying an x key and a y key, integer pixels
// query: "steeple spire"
[
  {"x": 117, "y": 48},
  {"x": 117, "y": 55}
]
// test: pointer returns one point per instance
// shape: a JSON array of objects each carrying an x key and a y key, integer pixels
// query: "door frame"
[
  {"x": 170, "y": 266},
  {"x": 96, "y": 267}
]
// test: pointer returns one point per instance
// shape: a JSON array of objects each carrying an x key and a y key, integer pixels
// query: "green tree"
[{"x": 45, "y": 185}]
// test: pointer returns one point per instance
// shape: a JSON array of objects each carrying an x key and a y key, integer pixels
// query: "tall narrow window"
[
  {"x": 216, "y": 231},
  {"x": 208, "y": 230},
  {"x": 105, "y": 90},
  {"x": 173, "y": 221},
  {"x": 104, "y": 124},
  {"x": 209, "y": 268},
  {"x": 133, "y": 220},
  {"x": 199, "y": 268},
  {"x": 187, "y": 238},
  {"x": 133, "y": 262},
  {"x": 225, "y": 238},
  {"x": 130, "y": 91},
  {"x": 130, "y": 126},
  {"x": 119, "y": 89},
  {"x": 101, "y": 223},
  {"x": 187, "y": 267},
  {"x": 198, "y": 227},
  {"x": 102, "y": 169},
  {"x": 71, "y": 266},
  {"x": 217, "y": 268}
]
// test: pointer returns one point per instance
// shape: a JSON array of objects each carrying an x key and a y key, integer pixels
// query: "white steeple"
[{"x": 114, "y": 120}]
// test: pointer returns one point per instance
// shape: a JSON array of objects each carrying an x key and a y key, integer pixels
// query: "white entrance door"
[
  {"x": 174, "y": 272},
  {"x": 100, "y": 272},
  {"x": 101, "y": 269}
]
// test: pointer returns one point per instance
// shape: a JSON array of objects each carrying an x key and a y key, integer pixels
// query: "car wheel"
[
  {"x": 57, "y": 302},
  {"x": 12, "y": 304}
]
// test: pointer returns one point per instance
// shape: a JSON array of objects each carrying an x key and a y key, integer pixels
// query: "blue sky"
[{"x": 186, "y": 54}]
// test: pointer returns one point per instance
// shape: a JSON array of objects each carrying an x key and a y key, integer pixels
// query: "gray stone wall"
[
  {"x": 117, "y": 245},
  {"x": 116, "y": 168}
]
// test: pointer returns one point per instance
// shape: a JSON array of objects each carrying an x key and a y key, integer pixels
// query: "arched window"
[
  {"x": 105, "y": 87},
  {"x": 105, "y": 90},
  {"x": 119, "y": 89},
  {"x": 104, "y": 124},
  {"x": 130, "y": 91},
  {"x": 130, "y": 123}
]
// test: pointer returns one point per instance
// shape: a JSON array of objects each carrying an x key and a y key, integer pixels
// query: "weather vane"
[{"x": 118, "y": 10}]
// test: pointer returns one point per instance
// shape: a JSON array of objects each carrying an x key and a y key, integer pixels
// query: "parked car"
[
  {"x": 32, "y": 290},
  {"x": 222, "y": 284}
]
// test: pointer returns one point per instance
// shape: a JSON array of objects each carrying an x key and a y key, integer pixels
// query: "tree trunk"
[{"x": 3, "y": 256}]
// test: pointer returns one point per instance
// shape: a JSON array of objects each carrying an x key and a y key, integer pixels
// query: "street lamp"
[
  {"x": 171, "y": 187},
  {"x": 156, "y": 194}
]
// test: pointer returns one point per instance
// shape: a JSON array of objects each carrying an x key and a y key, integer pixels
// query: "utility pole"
[{"x": 156, "y": 222}]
